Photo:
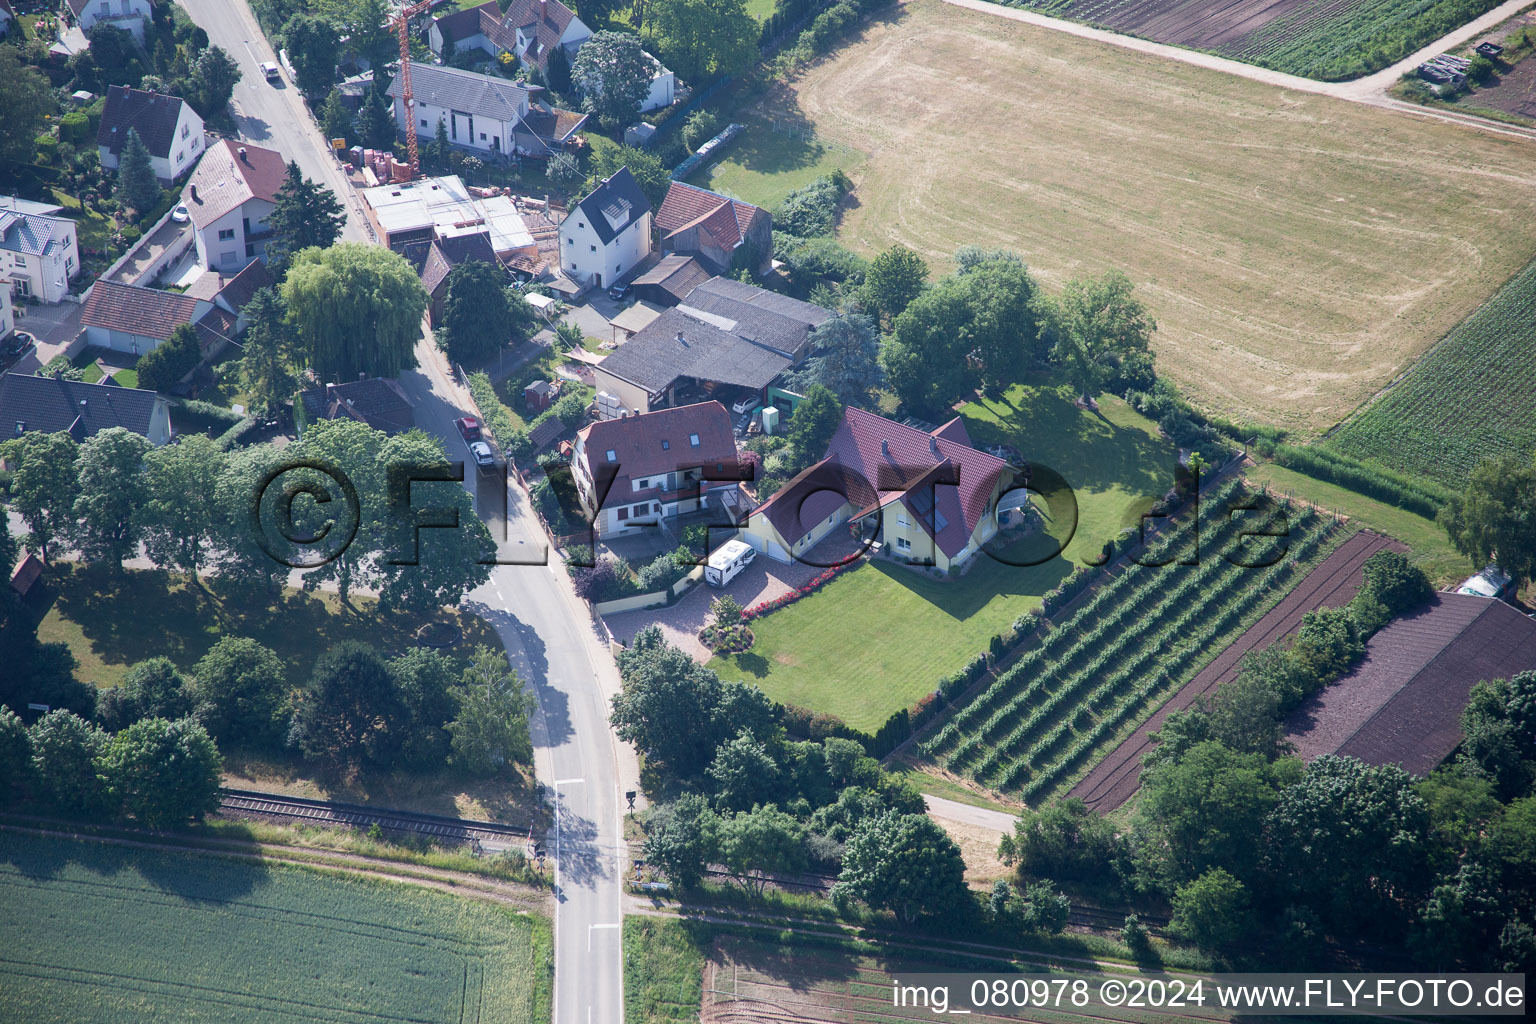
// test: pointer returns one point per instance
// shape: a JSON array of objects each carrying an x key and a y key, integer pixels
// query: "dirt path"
[
  {"x": 1115, "y": 779},
  {"x": 1370, "y": 90}
]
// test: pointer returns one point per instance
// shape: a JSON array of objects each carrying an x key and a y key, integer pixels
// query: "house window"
[
  {"x": 21, "y": 425},
  {"x": 594, "y": 248},
  {"x": 901, "y": 520},
  {"x": 186, "y": 130},
  {"x": 623, "y": 513},
  {"x": 693, "y": 440},
  {"x": 581, "y": 223},
  {"x": 250, "y": 250},
  {"x": 482, "y": 136},
  {"x": 180, "y": 156},
  {"x": 226, "y": 234},
  {"x": 423, "y": 122},
  {"x": 573, "y": 264},
  {"x": 613, "y": 456},
  {"x": 69, "y": 263},
  {"x": 902, "y": 544},
  {"x": 666, "y": 445}
]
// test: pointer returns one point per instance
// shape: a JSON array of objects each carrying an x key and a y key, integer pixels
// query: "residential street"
[{"x": 547, "y": 630}]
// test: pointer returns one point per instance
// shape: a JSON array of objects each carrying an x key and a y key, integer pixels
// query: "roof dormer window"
[{"x": 666, "y": 445}]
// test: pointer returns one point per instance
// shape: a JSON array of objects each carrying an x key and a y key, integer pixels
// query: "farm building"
[{"x": 1403, "y": 703}]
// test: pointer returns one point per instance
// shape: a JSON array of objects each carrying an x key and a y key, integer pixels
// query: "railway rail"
[{"x": 242, "y": 803}]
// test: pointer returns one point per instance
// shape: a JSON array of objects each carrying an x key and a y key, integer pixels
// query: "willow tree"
[{"x": 356, "y": 310}]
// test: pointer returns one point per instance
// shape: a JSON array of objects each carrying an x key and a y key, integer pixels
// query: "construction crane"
[{"x": 402, "y": 26}]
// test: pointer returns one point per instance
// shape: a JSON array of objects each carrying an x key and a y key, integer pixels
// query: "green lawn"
[
  {"x": 880, "y": 636},
  {"x": 763, "y": 166},
  {"x": 1431, "y": 548},
  {"x": 663, "y": 970},
  {"x": 110, "y": 622},
  {"x": 761, "y": 9},
  {"x": 101, "y": 933}
]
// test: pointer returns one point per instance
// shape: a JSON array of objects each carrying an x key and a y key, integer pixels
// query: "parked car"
[
  {"x": 618, "y": 292},
  {"x": 745, "y": 405},
  {"x": 469, "y": 428},
  {"x": 1491, "y": 583},
  {"x": 181, "y": 214},
  {"x": 484, "y": 458},
  {"x": 270, "y": 72},
  {"x": 726, "y": 561}
]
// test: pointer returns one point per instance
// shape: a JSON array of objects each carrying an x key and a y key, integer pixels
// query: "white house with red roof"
[
  {"x": 129, "y": 15},
  {"x": 721, "y": 232},
  {"x": 230, "y": 196},
  {"x": 928, "y": 498},
  {"x": 634, "y": 472},
  {"x": 167, "y": 125}
]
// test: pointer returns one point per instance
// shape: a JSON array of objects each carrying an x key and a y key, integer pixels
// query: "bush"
[
  {"x": 809, "y": 210},
  {"x": 47, "y": 148},
  {"x": 75, "y": 127},
  {"x": 570, "y": 410}
]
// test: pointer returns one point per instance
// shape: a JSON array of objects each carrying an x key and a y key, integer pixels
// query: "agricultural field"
[
  {"x": 1472, "y": 397},
  {"x": 1136, "y": 638},
  {"x": 98, "y": 933},
  {"x": 1297, "y": 251},
  {"x": 912, "y": 629},
  {"x": 1323, "y": 39}
]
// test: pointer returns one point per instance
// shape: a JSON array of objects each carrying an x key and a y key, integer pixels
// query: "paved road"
[
  {"x": 548, "y": 631},
  {"x": 966, "y": 814},
  {"x": 1370, "y": 90}
]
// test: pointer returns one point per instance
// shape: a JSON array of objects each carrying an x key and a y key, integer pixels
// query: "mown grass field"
[
  {"x": 1472, "y": 397},
  {"x": 762, "y": 165},
  {"x": 97, "y": 933},
  {"x": 1297, "y": 251},
  {"x": 1431, "y": 549},
  {"x": 879, "y": 637}
]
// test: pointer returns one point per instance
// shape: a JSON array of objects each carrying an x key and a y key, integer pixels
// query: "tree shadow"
[{"x": 189, "y": 876}]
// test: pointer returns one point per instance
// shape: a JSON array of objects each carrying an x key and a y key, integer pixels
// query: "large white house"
[
  {"x": 129, "y": 15},
  {"x": 39, "y": 252},
  {"x": 230, "y": 197},
  {"x": 169, "y": 128},
  {"x": 608, "y": 233},
  {"x": 490, "y": 115}
]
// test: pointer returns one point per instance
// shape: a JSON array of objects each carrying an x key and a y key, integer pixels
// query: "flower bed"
[
  {"x": 727, "y": 639},
  {"x": 816, "y": 583}
]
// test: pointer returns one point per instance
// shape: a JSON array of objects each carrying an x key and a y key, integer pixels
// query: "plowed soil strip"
[{"x": 1115, "y": 779}]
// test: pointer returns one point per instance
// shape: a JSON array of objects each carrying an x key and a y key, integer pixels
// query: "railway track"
[{"x": 242, "y": 803}]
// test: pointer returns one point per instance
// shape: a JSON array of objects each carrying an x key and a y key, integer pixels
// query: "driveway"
[{"x": 763, "y": 580}]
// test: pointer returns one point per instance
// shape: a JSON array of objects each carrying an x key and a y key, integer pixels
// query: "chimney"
[
  {"x": 192, "y": 191},
  {"x": 680, "y": 339},
  {"x": 243, "y": 158},
  {"x": 933, "y": 445},
  {"x": 885, "y": 448}
]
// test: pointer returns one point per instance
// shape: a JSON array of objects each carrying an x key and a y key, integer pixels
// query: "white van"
[{"x": 726, "y": 561}]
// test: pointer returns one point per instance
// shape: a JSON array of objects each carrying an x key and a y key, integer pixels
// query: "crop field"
[
  {"x": 1131, "y": 642},
  {"x": 1472, "y": 397},
  {"x": 1323, "y": 39},
  {"x": 96, "y": 933},
  {"x": 1297, "y": 251}
]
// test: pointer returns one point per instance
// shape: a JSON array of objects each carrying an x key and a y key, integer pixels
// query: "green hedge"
[{"x": 1411, "y": 494}]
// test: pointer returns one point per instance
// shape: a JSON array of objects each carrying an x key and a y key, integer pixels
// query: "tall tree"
[
  {"x": 475, "y": 323},
  {"x": 65, "y": 750},
  {"x": 1212, "y": 911},
  {"x": 756, "y": 844},
  {"x": 44, "y": 484},
  {"x": 1104, "y": 333},
  {"x": 680, "y": 838},
  {"x": 814, "y": 421},
  {"x": 904, "y": 863},
  {"x": 28, "y": 99},
  {"x": 15, "y": 754},
  {"x": 314, "y": 50},
  {"x": 356, "y": 449},
  {"x": 557, "y": 71},
  {"x": 1499, "y": 723},
  {"x": 336, "y": 120},
  {"x": 152, "y": 688},
  {"x": 375, "y": 123},
  {"x": 137, "y": 187},
  {"x": 925, "y": 357},
  {"x": 213, "y": 80},
  {"x": 614, "y": 76},
  {"x": 180, "y": 513},
  {"x": 163, "y": 773},
  {"x": 305, "y": 214},
  {"x": 846, "y": 360},
  {"x": 701, "y": 38},
  {"x": 168, "y": 363},
  {"x": 1003, "y": 332},
  {"x": 244, "y": 565},
  {"x": 653, "y": 177},
  {"x": 355, "y": 309},
  {"x": 491, "y": 728},
  {"x": 347, "y": 711},
  {"x": 267, "y": 361},
  {"x": 112, "y": 491},
  {"x": 245, "y": 692},
  {"x": 895, "y": 277},
  {"x": 426, "y": 679},
  {"x": 1492, "y": 518}
]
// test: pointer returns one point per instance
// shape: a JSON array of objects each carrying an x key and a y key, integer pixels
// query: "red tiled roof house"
[
  {"x": 230, "y": 196},
  {"x": 930, "y": 499},
  {"x": 636, "y": 471},
  {"x": 722, "y": 233}
]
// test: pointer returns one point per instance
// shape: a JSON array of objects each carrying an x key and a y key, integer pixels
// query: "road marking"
[
  {"x": 568, "y": 782},
  {"x": 590, "y": 929}
]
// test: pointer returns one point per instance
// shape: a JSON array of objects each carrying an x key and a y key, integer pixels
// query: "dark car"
[{"x": 618, "y": 292}]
